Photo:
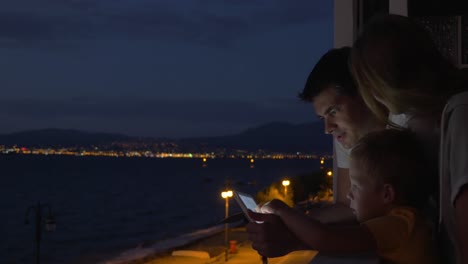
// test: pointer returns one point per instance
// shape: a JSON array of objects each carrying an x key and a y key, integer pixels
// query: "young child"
[{"x": 387, "y": 169}]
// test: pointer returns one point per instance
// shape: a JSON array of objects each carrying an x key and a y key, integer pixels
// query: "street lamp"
[
  {"x": 49, "y": 224},
  {"x": 226, "y": 194},
  {"x": 286, "y": 184},
  {"x": 329, "y": 180}
]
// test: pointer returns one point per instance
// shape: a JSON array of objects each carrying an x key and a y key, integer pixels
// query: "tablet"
[{"x": 246, "y": 202}]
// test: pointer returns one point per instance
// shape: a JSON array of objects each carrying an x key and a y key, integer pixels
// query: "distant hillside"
[
  {"x": 277, "y": 136},
  {"x": 59, "y": 137},
  {"x": 280, "y": 137}
]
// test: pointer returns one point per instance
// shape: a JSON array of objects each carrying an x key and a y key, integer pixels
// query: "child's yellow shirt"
[{"x": 403, "y": 237}]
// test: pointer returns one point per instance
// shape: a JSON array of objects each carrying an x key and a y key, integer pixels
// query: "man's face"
[
  {"x": 346, "y": 117},
  {"x": 367, "y": 199}
]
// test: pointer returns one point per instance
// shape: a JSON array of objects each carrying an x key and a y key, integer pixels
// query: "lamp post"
[
  {"x": 226, "y": 194},
  {"x": 330, "y": 178},
  {"x": 49, "y": 223},
  {"x": 286, "y": 184}
]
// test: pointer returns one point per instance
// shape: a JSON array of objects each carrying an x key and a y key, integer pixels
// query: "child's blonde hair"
[{"x": 396, "y": 157}]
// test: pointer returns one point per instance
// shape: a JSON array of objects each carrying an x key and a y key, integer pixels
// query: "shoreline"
[
  {"x": 214, "y": 245},
  {"x": 211, "y": 241}
]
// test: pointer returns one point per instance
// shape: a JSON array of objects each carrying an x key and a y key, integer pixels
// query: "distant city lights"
[{"x": 96, "y": 152}]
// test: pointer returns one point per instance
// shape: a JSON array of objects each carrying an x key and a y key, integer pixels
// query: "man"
[{"x": 334, "y": 96}]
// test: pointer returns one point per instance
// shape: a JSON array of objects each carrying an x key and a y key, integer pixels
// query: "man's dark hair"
[{"x": 331, "y": 69}]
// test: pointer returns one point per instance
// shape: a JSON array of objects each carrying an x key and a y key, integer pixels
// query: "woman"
[{"x": 398, "y": 68}]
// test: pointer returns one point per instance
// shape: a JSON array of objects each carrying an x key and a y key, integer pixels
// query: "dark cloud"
[
  {"x": 203, "y": 21},
  {"x": 183, "y": 110},
  {"x": 42, "y": 30}
]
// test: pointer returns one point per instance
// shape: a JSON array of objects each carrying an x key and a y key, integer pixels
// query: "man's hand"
[
  {"x": 274, "y": 206},
  {"x": 271, "y": 238}
]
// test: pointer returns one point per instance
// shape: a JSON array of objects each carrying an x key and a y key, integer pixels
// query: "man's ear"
[{"x": 388, "y": 193}]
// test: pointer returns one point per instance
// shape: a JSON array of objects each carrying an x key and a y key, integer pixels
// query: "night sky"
[{"x": 168, "y": 68}]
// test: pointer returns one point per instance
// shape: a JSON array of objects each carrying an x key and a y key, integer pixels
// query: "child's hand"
[{"x": 273, "y": 207}]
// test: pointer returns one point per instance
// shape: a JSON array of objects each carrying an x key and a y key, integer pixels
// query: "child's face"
[{"x": 367, "y": 199}]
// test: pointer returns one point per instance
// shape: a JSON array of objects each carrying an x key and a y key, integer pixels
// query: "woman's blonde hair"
[{"x": 396, "y": 61}]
